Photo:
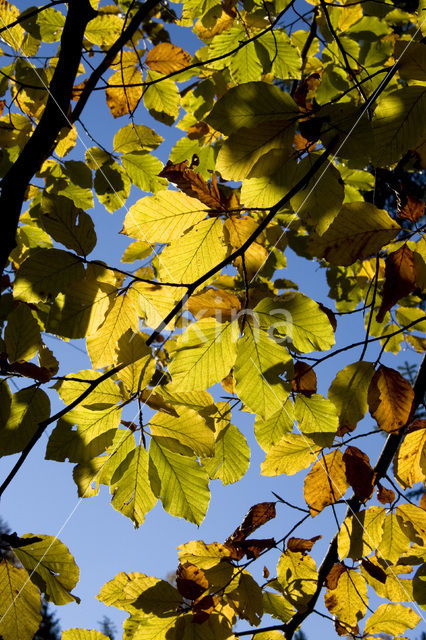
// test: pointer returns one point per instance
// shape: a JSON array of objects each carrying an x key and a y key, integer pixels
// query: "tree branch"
[{"x": 54, "y": 118}]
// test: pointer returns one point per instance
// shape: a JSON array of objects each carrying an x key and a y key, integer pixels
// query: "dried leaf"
[
  {"x": 194, "y": 185},
  {"x": 301, "y": 544},
  {"x": 400, "y": 279},
  {"x": 413, "y": 209},
  {"x": 385, "y": 496},
  {"x": 326, "y": 482},
  {"x": 334, "y": 574},
  {"x": 203, "y": 607},
  {"x": 197, "y": 130},
  {"x": 344, "y": 629},
  {"x": 166, "y": 58},
  {"x": 304, "y": 379},
  {"x": 359, "y": 472},
  {"x": 251, "y": 548},
  {"x": 31, "y": 370},
  {"x": 374, "y": 571},
  {"x": 257, "y": 516},
  {"x": 390, "y": 398},
  {"x": 190, "y": 581}
]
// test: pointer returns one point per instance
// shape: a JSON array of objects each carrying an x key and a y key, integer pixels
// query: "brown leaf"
[
  {"x": 77, "y": 89},
  {"x": 334, "y": 574},
  {"x": 306, "y": 90},
  {"x": 413, "y": 209},
  {"x": 390, "y": 399},
  {"x": 194, "y": 185},
  {"x": 300, "y": 544},
  {"x": 31, "y": 370},
  {"x": 400, "y": 279},
  {"x": 258, "y": 515},
  {"x": 252, "y": 548},
  {"x": 326, "y": 482},
  {"x": 166, "y": 58},
  {"x": 190, "y": 581},
  {"x": 374, "y": 570},
  {"x": 302, "y": 144},
  {"x": 422, "y": 503},
  {"x": 203, "y": 607},
  {"x": 197, "y": 130},
  {"x": 359, "y": 473},
  {"x": 266, "y": 573},
  {"x": 304, "y": 380},
  {"x": 385, "y": 496},
  {"x": 216, "y": 303},
  {"x": 330, "y": 315},
  {"x": 344, "y": 629}
]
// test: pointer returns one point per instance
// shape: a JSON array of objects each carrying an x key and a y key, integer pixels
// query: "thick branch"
[{"x": 41, "y": 143}]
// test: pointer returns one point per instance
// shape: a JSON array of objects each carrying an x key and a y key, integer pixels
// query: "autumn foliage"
[{"x": 301, "y": 129}]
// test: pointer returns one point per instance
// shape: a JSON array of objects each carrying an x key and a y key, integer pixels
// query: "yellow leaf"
[
  {"x": 189, "y": 428},
  {"x": 291, "y": 454},
  {"x": 326, "y": 482},
  {"x": 167, "y": 57},
  {"x": 390, "y": 398},
  {"x": 154, "y": 302},
  {"x": 22, "y": 335},
  {"x": 349, "y": 15},
  {"x": 19, "y": 616},
  {"x": 237, "y": 231},
  {"x": 413, "y": 521},
  {"x": 359, "y": 230},
  {"x": 361, "y": 533},
  {"x": 163, "y": 217},
  {"x": 201, "y": 554},
  {"x": 205, "y": 354},
  {"x": 297, "y": 577},
  {"x": 161, "y": 99},
  {"x": 392, "y": 619},
  {"x": 104, "y": 29},
  {"x": 269, "y": 432},
  {"x": 348, "y": 392},
  {"x": 123, "y": 99},
  {"x": 410, "y": 462},
  {"x": 102, "y": 346},
  {"x": 394, "y": 541},
  {"x": 195, "y": 253},
  {"x": 133, "y": 350},
  {"x": 217, "y": 303},
  {"x": 348, "y": 601}
]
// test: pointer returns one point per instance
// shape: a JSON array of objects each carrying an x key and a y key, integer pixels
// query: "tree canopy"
[{"x": 301, "y": 128}]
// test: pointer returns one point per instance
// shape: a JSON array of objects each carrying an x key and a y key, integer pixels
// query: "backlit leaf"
[
  {"x": 326, "y": 482},
  {"x": 231, "y": 457},
  {"x": 348, "y": 392},
  {"x": 390, "y": 398},
  {"x": 22, "y": 334},
  {"x": 348, "y": 601},
  {"x": 410, "y": 461},
  {"x": 269, "y": 432},
  {"x": 28, "y": 407},
  {"x": 392, "y": 618},
  {"x": 167, "y": 57},
  {"x": 291, "y": 454},
  {"x": 361, "y": 533},
  {"x": 297, "y": 576},
  {"x": 161, "y": 99},
  {"x": 20, "y": 617}
]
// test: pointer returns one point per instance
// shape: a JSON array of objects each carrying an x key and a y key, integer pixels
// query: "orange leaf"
[
  {"x": 300, "y": 544},
  {"x": 413, "y": 209},
  {"x": 203, "y": 607},
  {"x": 122, "y": 99},
  {"x": 326, "y": 482},
  {"x": 304, "y": 379},
  {"x": 258, "y": 515},
  {"x": 237, "y": 231},
  {"x": 390, "y": 398},
  {"x": 190, "y": 581},
  {"x": 359, "y": 473},
  {"x": 194, "y": 185},
  {"x": 344, "y": 629},
  {"x": 166, "y": 58},
  {"x": 197, "y": 130},
  {"x": 334, "y": 574},
  {"x": 400, "y": 279},
  {"x": 216, "y": 303},
  {"x": 385, "y": 496}
]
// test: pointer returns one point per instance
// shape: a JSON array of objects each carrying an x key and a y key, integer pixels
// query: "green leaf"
[
  {"x": 51, "y": 566},
  {"x": 392, "y": 618},
  {"x": 360, "y": 534},
  {"x": 297, "y": 318},
  {"x": 318, "y": 417},
  {"x": 247, "y": 599},
  {"x": 267, "y": 190},
  {"x": 180, "y": 483},
  {"x": 94, "y": 433},
  {"x": 260, "y": 362},
  {"x": 291, "y": 454},
  {"x": 107, "y": 393},
  {"x": 348, "y": 392},
  {"x": 248, "y": 105},
  {"x": 161, "y": 99},
  {"x": 22, "y": 335},
  {"x": 269, "y": 432},
  {"x": 319, "y": 202},
  {"x": 278, "y": 607},
  {"x": 46, "y": 25},
  {"x": 231, "y": 457},
  {"x": 136, "y": 592},
  {"x": 285, "y": 58},
  {"x": 73, "y": 179},
  {"x": 132, "y": 494},
  {"x": 28, "y": 408},
  {"x": 195, "y": 253},
  {"x": 205, "y": 354},
  {"x": 398, "y": 123},
  {"x": 143, "y": 169},
  {"x": 67, "y": 224},
  {"x": 248, "y": 62},
  {"x": 112, "y": 185},
  {"x": 104, "y": 29},
  {"x": 19, "y": 617},
  {"x": 189, "y": 428},
  {"x": 45, "y": 273},
  {"x": 136, "y": 137},
  {"x": 163, "y": 217},
  {"x": 244, "y": 153}
]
